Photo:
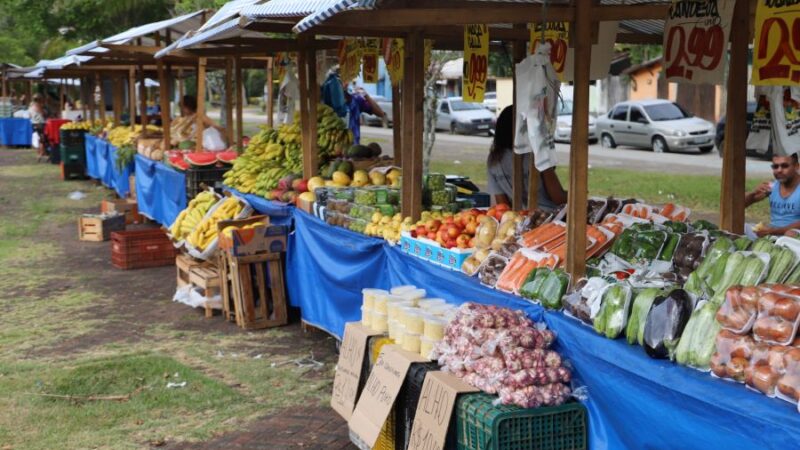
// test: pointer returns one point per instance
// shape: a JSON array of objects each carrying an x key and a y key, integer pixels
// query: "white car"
[
  {"x": 458, "y": 116},
  {"x": 490, "y": 101},
  {"x": 658, "y": 124},
  {"x": 564, "y": 123}
]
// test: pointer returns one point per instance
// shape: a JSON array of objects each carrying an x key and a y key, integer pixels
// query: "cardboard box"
[
  {"x": 305, "y": 206},
  {"x": 261, "y": 239},
  {"x": 96, "y": 228},
  {"x": 128, "y": 207}
]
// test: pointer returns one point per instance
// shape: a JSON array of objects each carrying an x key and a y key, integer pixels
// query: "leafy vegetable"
[{"x": 610, "y": 321}]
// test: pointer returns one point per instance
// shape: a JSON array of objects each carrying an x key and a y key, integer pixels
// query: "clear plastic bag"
[
  {"x": 778, "y": 317},
  {"x": 738, "y": 313}
]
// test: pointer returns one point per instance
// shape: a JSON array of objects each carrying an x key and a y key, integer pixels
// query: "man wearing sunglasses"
[{"x": 784, "y": 196}]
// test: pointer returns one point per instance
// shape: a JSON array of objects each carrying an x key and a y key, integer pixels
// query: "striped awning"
[
  {"x": 335, "y": 7},
  {"x": 226, "y": 30},
  {"x": 228, "y": 11}
]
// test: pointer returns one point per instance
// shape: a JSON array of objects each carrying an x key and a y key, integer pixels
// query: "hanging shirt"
[
  {"x": 783, "y": 211},
  {"x": 355, "y": 107},
  {"x": 500, "y": 178},
  {"x": 333, "y": 95}
]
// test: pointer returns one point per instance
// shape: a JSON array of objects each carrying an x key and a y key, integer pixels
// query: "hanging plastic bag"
[
  {"x": 35, "y": 140},
  {"x": 288, "y": 93},
  {"x": 536, "y": 100},
  {"x": 785, "y": 111},
  {"x": 760, "y": 131},
  {"x": 212, "y": 140}
]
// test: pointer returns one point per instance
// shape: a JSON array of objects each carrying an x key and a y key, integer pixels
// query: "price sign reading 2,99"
[
  {"x": 776, "y": 50},
  {"x": 695, "y": 39},
  {"x": 557, "y": 35},
  {"x": 476, "y": 62}
]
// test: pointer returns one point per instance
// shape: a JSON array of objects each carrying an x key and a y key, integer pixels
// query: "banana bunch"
[
  {"x": 268, "y": 180},
  {"x": 190, "y": 217},
  {"x": 119, "y": 136},
  {"x": 84, "y": 125},
  {"x": 331, "y": 132},
  {"x": 206, "y": 232}
]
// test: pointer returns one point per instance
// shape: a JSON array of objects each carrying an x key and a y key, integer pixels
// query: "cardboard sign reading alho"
[
  {"x": 348, "y": 369},
  {"x": 434, "y": 410},
  {"x": 380, "y": 392}
]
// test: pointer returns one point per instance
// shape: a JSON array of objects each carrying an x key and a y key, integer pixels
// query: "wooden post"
[
  {"x": 82, "y": 89},
  {"x": 30, "y": 91},
  {"x": 5, "y": 84},
  {"x": 163, "y": 97},
  {"x": 132, "y": 96},
  {"x": 733, "y": 159},
  {"x": 579, "y": 154},
  {"x": 102, "y": 105},
  {"x": 307, "y": 68},
  {"x": 413, "y": 104},
  {"x": 201, "y": 103},
  {"x": 313, "y": 100},
  {"x": 239, "y": 102},
  {"x": 61, "y": 99},
  {"x": 90, "y": 90},
  {"x": 397, "y": 125},
  {"x": 181, "y": 91},
  {"x": 518, "y": 173},
  {"x": 270, "y": 93},
  {"x": 143, "y": 97},
  {"x": 228, "y": 100},
  {"x": 117, "y": 96}
]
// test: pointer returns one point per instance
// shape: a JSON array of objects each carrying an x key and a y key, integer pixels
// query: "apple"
[
  {"x": 431, "y": 235},
  {"x": 471, "y": 228},
  {"x": 463, "y": 241},
  {"x": 471, "y": 243},
  {"x": 492, "y": 211},
  {"x": 449, "y": 220},
  {"x": 413, "y": 233},
  {"x": 453, "y": 231},
  {"x": 421, "y": 231}
]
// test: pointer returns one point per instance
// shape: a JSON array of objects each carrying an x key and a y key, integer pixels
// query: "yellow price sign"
[
  {"x": 476, "y": 62},
  {"x": 776, "y": 49},
  {"x": 393, "y": 55},
  {"x": 350, "y": 52},
  {"x": 557, "y": 35},
  {"x": 369, "y": 60}
]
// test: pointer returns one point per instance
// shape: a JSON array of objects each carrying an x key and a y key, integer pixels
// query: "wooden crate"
[
  {"x": 226, "y": 287},
  {"x": 132, "y": 186},
  {"x": 99, "y": 229},
  {"x": 206, "y": 278},
  {"x": 258, "y": 290},
  {"x": 128, "y": 207},
  {"x": 183, "y": 265},
  {"x": 141, "y": 248}
]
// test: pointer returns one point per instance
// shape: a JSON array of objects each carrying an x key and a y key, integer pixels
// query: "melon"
[
  {"x": 227, "y": 156},
  {"x": 178, "y": 162},
  {"x": 200, "y": 159},
  {"x": 186, "y": 145}
]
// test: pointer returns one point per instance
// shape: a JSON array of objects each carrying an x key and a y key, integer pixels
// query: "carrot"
[{"x": 668, "y": 210}]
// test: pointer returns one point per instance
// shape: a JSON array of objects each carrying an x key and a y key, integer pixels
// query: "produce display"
[
  {"x": 613, "y": 315},
  {"x": 545, "y": 286},
  {"x": 83, "y": 125},
  {"x": 206, "y": 231},
  {"x": 665, "y": 323},
  {"x": 190, "y": 217},
  {"x": 122, "y": 135},
  {"x": 501, "y": 351}
]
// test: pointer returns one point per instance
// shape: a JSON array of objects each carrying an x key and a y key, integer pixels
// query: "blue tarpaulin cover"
[
  {"x": 15, "y": 131},
  {"x": 91, "y": 156},
  {"x": 120, "y": 181},
  {"x": 160, "y": 190},
  {"x": 279, "y": 213},
  {"x": 634, "y": 402}
]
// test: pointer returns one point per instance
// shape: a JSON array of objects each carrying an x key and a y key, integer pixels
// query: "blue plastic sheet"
[
  {"x": 634, "y": 402},
  {"x": 160, "y": 190},
  {"x": 91, "y": 156},
  {"x": 120, "y": 180},
  {"x": 279, "y": 213},
  {"x": 104, "y": 164},
  {"x": 15, "y": 132}
]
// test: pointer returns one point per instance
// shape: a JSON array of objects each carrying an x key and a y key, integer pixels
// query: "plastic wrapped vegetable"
[
  {"x": 554, "y": 288},
  {"x": 533, "y": 283},
  {"x": 719, "y": 249},
  {"x": 648, "y": 245},
  {"x": 634, "y": 331},
  {"x": 766, "y": 367},
  {"x": 613, "y": 314},
  {"x": 789, "y": 383},
  {"x": 738, "y": 312},
  {"x": 676, "y": 227},
  {"x": 665, "y": 323},
  {"x": 703, "y": 225},
  {"x": 742, "y": 243},
  {"x": 778, "y": 318},
  {"x": 781, "y": 263},
  {"x": 486, "y": 232},
  {"x": 689, "y": 253},
  {"x": 669, "y": 247},
  {"x": 794, "y": 276},
  {"x": 732, "y": 356},
  {"x": 623, "y": 245},
  {"x": 698, "y": 341}
]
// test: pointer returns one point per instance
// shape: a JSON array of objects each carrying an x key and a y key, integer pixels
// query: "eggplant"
[{"x": 665, "y": 323}]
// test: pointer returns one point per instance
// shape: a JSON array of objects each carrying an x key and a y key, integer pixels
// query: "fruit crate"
[
  {"x": 72, "y": 138},
  {"x": 72, "y": 171},
  {"x": 481, "y": 425},
  {"x": 99, "y": 228},
  {"x": 141, "y": 248},
  {"x": 405, "y": 407},
  {"x": 199, "y": 179},
  {"x": 73, "y": 154}
]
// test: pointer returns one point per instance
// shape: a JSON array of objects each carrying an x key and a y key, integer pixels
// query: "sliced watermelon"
[
  {"x": 200, "y": 159},
  {"x": 227, "y": 157},
  {"x": 178, "y": 162}
]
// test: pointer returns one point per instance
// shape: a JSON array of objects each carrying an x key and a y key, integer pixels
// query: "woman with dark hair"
[
  {"x": 183, "y": 127},
  {"x": 500, "y": 165}
]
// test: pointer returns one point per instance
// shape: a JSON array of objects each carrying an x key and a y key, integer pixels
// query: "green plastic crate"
[{"x": 483, "y": 426}]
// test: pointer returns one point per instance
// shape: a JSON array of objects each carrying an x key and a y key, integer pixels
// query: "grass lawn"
[{"x": 700, "y": 193}]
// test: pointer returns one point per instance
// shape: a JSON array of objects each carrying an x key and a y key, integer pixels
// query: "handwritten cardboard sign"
[
  {"x": 562, "y": 55},
  {"x": 476, "y": 62},
  {"x": 557, "y": 35},
  {"x": 393, "y": 55},
  {"x": 776, "y": 48},
  {"x": 349, "y": 52},
  {"x": 348, "y": 369},
  {"x": 434, "y": 410},
  {"x": 369, "y": 60},
  {"x": 696, "y": 39},
  {"x": 380, "y": 392}
]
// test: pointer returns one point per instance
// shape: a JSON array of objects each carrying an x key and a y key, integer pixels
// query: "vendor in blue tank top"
[{"x": 783, "y": 194}]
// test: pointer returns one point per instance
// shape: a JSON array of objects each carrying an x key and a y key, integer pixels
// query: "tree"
[{"x": 432, "y": 75}]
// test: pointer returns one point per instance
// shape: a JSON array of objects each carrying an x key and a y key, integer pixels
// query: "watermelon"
[
  {"x": 178, "y": 162},
  {"x": 200, "y": 159},
  {"x": 186, "y": 145},
  {"x": 227, "y": 157}
]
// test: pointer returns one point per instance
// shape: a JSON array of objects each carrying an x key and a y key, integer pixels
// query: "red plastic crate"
[{"x": 141, "y": 248}]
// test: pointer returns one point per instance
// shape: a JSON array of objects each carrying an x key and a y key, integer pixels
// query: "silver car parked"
[{"x": 658, "y": 124}]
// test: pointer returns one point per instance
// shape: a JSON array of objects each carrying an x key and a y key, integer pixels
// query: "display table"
[
  {"x": 15, "y": 132},
  {"x": 160, "y": 190},
  {"x": 90, "y": 143},
  {"x": 279, "y": 213},
  {"x": 52, "y": 128},
  {"x": 633, "y": 400}
]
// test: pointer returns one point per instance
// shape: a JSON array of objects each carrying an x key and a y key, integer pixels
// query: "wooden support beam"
[
  {"x": 270, "y": 93},
  {"x": 239, "y": 102},
  {"x": 181, "y": 88},
  {"x": 117, "y": 95},
  {"x": 307, "y": 68},
  {"x": 132, "y": 96},
  {"x": 201, "y": 104},
  {"x": 413, "y": 104},
  {"x": 90, "y": 90},
  {"x": 61, "y": 99},
  {"x": 143, "y": 99},
  {"x": 102, "y": 106},
  {"x": 397, "y": 124},
  {"x": 733, "y": 160},
  {"x": 579, "y": 153},
  {"x": 166, "y": 114},
  {"x": 518, "y": 172},
  {"x": 229, "y": 99}
]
